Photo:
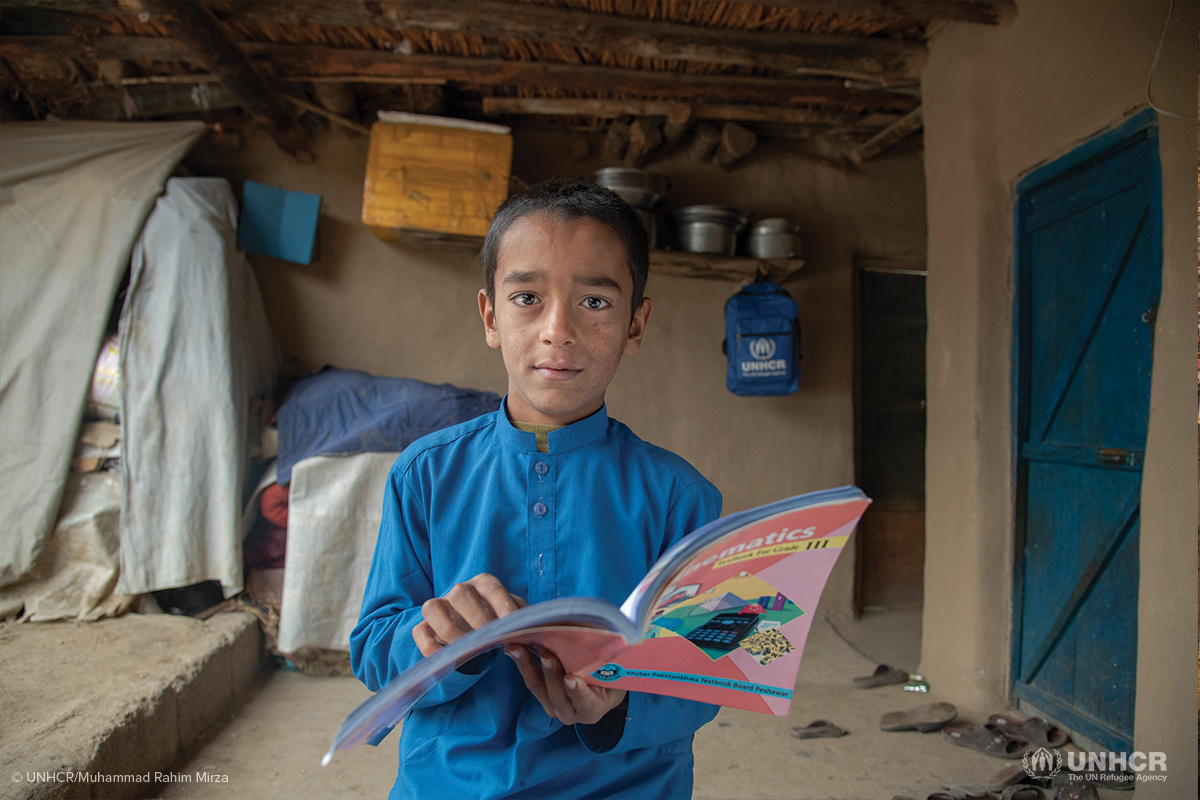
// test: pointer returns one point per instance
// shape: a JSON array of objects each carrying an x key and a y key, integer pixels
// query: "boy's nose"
[{"x": 558, "y": 326}]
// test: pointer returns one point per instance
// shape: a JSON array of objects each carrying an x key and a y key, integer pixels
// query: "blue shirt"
[{"x": 589, "y": 518}]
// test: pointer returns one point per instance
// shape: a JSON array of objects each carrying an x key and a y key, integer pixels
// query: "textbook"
[{"x": 721, "y": 618}]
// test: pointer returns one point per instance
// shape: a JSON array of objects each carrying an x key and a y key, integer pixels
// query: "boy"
[{"x": 546, "y": 497}]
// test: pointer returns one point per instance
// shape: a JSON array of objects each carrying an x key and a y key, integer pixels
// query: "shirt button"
[
  {"x": 540, "y": 509},
  {"x": 541, "y": 468}
]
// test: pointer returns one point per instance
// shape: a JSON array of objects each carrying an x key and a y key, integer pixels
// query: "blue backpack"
[{"x": 762, "y": 341}]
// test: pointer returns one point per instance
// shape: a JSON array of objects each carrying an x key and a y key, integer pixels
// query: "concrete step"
[{"x": 97, "y": 709}]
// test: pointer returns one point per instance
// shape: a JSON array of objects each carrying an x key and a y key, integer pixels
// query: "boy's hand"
[
  {"x": 565, "y": 697},
  {"x": 467, "y": 606}
]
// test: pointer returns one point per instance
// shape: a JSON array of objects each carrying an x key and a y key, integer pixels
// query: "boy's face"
[{"x": 561, "y": 316}]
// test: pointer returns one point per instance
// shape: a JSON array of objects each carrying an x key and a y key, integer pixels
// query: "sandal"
[
  {"x": 1068, "y": 786},
  {"x": 818, "y": 728},
  {"x": 960, "y": 791},
  {"x": 1006, "y": 777},
  {"x": 882, "y": 676},
  {"x": 1034, "y": 730},
  {"x": 928, "y": 717},
  {"x": 1022, "y": 791},
  {"x": 987, "y": 740}
]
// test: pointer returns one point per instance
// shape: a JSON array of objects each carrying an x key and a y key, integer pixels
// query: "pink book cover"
[
  {"x": 721, "y": 618},
  {"x": 730, "y": 627}
]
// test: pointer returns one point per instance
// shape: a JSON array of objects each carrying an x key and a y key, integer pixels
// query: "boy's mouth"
[{"x": 556, "y": 371}]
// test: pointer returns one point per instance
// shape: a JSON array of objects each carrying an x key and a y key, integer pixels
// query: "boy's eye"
[
  {"x": 525, "y": 299},
  {"x": 595, "y": 303}
]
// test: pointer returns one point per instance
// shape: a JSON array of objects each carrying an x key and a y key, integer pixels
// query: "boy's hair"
[{"x": 567, "y": 200}]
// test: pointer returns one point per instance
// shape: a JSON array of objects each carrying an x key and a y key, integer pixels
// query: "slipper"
[
  {"x": 1012, "y": 774},
  {"x": 1120, "y": 781},
  {"x": 1022, "y": 791},
  {"x": 818, "y": 728},
  {"x": 986, "y": 740},
  {"x": 960, "y": 791},
  {"x": 882, "y": 676},
  {"x": 1034, "y": 730},
  {"x": 1068, "y": 786},
  {"x": 928, "y": 717}
]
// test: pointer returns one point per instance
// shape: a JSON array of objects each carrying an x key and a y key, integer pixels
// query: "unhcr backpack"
[{"x": 762, "y": 341}]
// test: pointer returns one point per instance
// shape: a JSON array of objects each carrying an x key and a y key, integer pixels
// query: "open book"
[{"x": 721, "y": 618}]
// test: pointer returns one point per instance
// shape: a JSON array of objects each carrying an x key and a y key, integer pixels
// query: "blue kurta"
[{"x": 589, "y": 518}]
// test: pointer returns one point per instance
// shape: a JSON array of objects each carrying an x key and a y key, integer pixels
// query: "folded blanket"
[{"x": 343, "y": 412}]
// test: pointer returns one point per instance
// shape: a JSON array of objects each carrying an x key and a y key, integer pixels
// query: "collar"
[{"x": 568, "y": 437}]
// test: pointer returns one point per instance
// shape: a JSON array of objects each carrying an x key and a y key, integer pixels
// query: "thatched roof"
[{"x": 837, "y": 69}]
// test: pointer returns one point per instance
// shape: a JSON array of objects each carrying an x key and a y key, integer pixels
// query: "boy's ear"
[
  {"x": 487, "y": 311},
  {"x": 637, "y": 328}
]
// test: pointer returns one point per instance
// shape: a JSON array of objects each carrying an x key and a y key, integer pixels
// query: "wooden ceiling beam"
[
  {"x": 193, "y": 25},
  {"x": 293, "y": 62},
  {"x": 611, "y": 109},
  {"x": 889, "y": 61},
  {"x": 980, "y": 12}
]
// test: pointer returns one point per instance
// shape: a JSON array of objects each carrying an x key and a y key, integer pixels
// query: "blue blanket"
[{"x": 343, "y": 412}]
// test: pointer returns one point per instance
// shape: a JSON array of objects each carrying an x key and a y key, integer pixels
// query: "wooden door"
[{"x": 1088, "y": 269}]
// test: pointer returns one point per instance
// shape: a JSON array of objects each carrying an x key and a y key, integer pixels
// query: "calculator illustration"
[{"x": 724, "y": 631}]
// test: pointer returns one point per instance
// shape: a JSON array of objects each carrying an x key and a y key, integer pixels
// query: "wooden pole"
[
  {"x": 644, "y": 138},
  {"x": 900, "y": 129},
  {"x": 980, "y": 12},
  {"x": 616, "y": 141},
  {"x": 307, "y": 62},
  {"x": 609, "y": 109},
  {"x": 703, "y": 141},
  {"x": 736, "y": 143},
  {"x": 193, "y": 25},
  {"x": 891, "y": 60}
]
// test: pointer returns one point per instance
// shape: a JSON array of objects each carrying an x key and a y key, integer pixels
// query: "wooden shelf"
[
  {"x": 662, "y": 262},
  {"x": 722, "y": 268}
]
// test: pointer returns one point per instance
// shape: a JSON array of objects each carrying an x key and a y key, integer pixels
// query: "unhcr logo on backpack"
[
  {"x": 765, "y": 363},
  {"x": 762, "y": 348}
]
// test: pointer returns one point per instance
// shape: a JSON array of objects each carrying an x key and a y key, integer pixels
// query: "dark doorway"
[{"x": 891, "y": 432}]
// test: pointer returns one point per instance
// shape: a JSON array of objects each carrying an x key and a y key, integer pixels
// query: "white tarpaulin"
[
  {"x": 335, "y": 505},
  {"x": 195, "y": 351},
  {"x": 73, "y": 196}
]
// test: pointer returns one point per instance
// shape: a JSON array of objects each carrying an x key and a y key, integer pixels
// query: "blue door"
[{"x": 1087, "y": 280}]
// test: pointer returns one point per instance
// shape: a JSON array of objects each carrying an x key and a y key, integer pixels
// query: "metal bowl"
[
  {"x": 637, "y": 187},
  {"x": 709, "y": 229},
  {"x": 774, "y": 238}
]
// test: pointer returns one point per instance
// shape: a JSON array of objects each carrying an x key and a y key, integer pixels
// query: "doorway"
[{"x": 891, "y": 432}]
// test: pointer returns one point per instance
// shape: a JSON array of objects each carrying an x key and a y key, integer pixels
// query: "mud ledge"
[{"x": 119, "y": 697}]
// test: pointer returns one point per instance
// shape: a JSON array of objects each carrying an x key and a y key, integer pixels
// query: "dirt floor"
[
  {"x": 132, "y": 694},
  {"x": 272, "y": 747}
]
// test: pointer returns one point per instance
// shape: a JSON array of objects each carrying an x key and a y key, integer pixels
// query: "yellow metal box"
[{"x": 434, "y": 174}]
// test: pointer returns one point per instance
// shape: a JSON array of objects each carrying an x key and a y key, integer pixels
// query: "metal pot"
[
  {"x": 709, "y": 229},
  {"x": 637, "y": 187},
  {"x": 774, "y": 238}
]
